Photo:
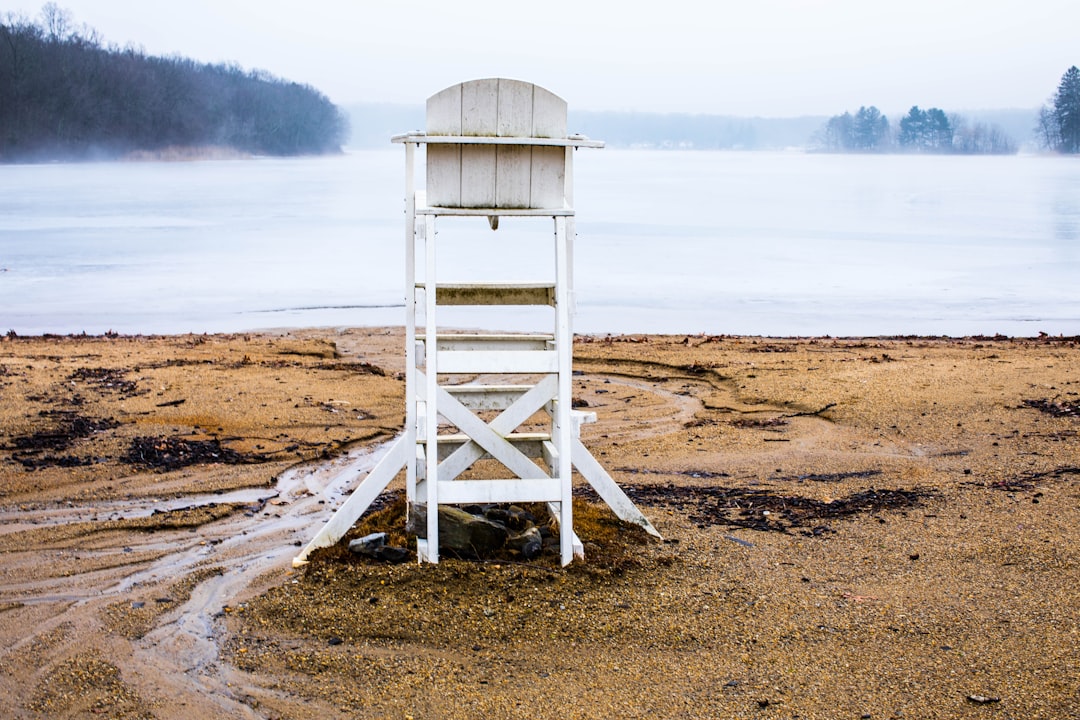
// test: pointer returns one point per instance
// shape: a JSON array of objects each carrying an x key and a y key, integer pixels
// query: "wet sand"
[{"x": 853, "y": 528}]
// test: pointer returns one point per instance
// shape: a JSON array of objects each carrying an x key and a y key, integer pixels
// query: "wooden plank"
[
  {"x": 510, "y": 362},
  {"x": 478, "y": 172},
  {"x": 444, "y": 112},
  {"x": 515, "y": 109},
  {"x": 548, "y": 178},
  {"x": 421, "y": 417},
  {"x": 430, "y": 498},
  {"x": 438, "y": 211},
  {"x": 479, "y": 107},
  {"x": 528, "y": 444},
  {"x": 513, "y": 176},
  {"x": 487, "y": 397},
  {"x": 430, "y": 139},
  {"x": 563, "y": 434},
  {"x": 551, "y": 457},
  {"x": 444, "y": 175},
  {"x": 549, "y": 114},
  {"x": 422, "y": 551},
  {"x": 467, "y": 492},
  {"x": 410, "y": 312},
  {"x": 495, "y": 294},
  {"x": 493, "y": 342}
]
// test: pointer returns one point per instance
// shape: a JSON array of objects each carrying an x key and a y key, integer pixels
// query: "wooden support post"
[{"x": 431, "y": 392}]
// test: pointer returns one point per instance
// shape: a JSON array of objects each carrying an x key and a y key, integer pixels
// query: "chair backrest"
[{"x": 493, "y": 171}]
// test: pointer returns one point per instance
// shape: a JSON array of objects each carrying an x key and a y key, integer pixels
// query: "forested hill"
[{"x": 64, "y": 95}]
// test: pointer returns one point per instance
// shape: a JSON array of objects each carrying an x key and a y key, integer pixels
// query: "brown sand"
[{"x": 853, "y": 528}]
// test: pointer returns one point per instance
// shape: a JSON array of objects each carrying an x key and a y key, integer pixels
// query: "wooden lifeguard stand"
[{"x": 494, "y": 148}]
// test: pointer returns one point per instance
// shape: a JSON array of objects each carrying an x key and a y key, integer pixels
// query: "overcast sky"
[{"x": 771, "y": 58}]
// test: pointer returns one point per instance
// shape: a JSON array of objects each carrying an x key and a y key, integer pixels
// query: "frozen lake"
[{"x": 669, "y": 241}]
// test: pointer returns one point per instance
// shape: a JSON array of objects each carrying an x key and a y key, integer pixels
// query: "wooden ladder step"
[
  {"x": 490, "y": 341},
  {"x": 513, "y": 362},
  {"x": 487, "y": 397},
  {"x": 461, "y": 353},
  {"x": 480, "y": 492},
  {"x": 493, "y": 293},
  {"x": 531, "y": 444}
]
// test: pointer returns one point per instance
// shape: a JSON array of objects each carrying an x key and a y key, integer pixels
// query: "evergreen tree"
[
  {"x": 939, "y": 131},
  {"x": 871, "y": 129},
  {"x": 1067, "y": 111},
  {"x": 912, "y": 128},
  {"x": 926, "y": 130},
  {"x": 866, "y": 131}
]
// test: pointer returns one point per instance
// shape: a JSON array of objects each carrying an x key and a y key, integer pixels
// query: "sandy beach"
[{"x": 853, "y": 528}]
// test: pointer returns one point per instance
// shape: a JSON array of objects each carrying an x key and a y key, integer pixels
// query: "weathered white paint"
[
  {"x": 545, "y": 361},
  {"x": 515, "y": 490},
  {"x": 496, "y": 143}
]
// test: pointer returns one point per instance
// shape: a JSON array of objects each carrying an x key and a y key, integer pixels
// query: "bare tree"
[{"x": 57, "y": 21}]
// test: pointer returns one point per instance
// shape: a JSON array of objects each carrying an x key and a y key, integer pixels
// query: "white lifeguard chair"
[{"x": 494, "y": 148}]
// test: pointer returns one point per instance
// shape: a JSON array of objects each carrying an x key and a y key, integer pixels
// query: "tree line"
[
  {"x": 924, "y": 131},
  {"x": 63, "y": 93},
  {"x": 932, "y": 131}
]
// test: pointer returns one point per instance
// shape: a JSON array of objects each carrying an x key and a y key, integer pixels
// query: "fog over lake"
[{"x": 758, "y": 243}]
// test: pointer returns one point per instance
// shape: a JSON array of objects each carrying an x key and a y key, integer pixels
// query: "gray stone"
[
  {"x": 374, "y": 546},
  {"x": 369, "y": 544},
  {"x": 528, "y": 543},
  {"x": 461, "y": 532}
]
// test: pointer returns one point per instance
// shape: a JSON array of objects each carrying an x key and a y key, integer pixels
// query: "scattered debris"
[
  {"x": 813, "y": 413},
  {"x": 758, "y": 509},
  {"x": 836, "y": 477},
  {"x": 70, "y": 426},
  {"x": 36, "y": 462},
  {"x": 1029, "y": 481},
  {"x": 360, "y": 368},
  {"x": 171, "y": 453},
  {"x": 1056, "y": 408},
  {"x": 762, "y": 424},
  {"x": 105, "y": 380},
  {"x": 706, "y": 474}
]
